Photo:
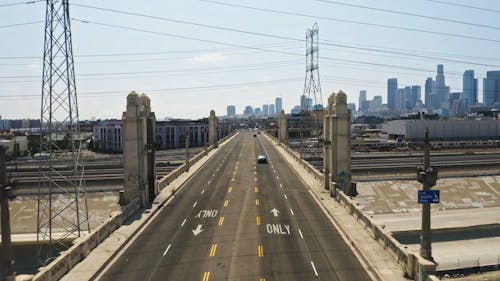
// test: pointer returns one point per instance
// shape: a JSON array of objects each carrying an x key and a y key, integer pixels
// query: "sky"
[{"x": 192, "y": 56}]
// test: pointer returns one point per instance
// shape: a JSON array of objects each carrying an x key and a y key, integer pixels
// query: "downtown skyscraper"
[{"x": 469, "y": 91}]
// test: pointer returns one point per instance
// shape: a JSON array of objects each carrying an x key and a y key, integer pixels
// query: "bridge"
[{"x": 223, "y": 215}]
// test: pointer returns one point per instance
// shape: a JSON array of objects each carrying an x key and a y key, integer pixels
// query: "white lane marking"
[
  {"x": 203, "y": 191},
  {"x": 314, "y": 268},
  {"x": 195, "y": 203},
  {"x": 281, "y": 185},
  {"x": 164, "y": 253},
  {"x": 300, "y": 232},
  {"x": 291, "y": 211},
  {"x": 183, "y": 222},
  {"x": 277, "y": 177},
  {"x": 285, "y": 196},
  {"x": 209, "y": 182}
]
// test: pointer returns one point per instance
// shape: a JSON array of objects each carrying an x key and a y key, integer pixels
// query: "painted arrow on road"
[
  {"x": 275, "y": 212},
  {"x": 198, "y": 230}
]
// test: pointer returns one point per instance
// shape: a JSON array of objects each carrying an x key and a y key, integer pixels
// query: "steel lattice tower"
[
  {"x": 312, "y": 86},
  {"x": 62, "y": 200}
]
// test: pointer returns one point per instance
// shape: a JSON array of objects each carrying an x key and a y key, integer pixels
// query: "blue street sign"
[{"x": 428, "y": 196}]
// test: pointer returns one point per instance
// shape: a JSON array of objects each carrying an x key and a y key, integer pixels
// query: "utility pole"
[
  {"x": 187, "y": 148},
  {"x": 6, "y": 194},
  {"x": 427, "y": 176}
]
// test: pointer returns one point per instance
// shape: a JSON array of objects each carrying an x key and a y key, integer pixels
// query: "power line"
[
  {"x": 465, "y": 6},
  {"x": 21, "y": 24},
  {"x": 20, "y": 3},
  {"x": 410, "y": 14},
  {"x": 354, "y": 22},
  {"x": 282, "y": 37},
  {"x": 249, "y": 47},
  {"x": 175, "y": 89}
]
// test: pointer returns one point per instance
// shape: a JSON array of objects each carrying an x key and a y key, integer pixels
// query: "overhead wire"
[
  {"x": 464, "y": 6},
  {"x": 277, "y": 36},
  {"x": 21, "y": 24},
  {"x": 20, "y": 3},
  {"x": 409, "y": 14},
  {"x": 353, "y": 22}
]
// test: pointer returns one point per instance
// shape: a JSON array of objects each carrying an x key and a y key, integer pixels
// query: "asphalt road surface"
[{"x": 237, "y": 219}]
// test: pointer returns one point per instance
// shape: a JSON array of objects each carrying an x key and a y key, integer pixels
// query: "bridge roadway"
[{"x": 236, "y": 219}]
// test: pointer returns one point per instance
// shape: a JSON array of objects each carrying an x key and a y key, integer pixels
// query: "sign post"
[{"x": 427, "y": 176}]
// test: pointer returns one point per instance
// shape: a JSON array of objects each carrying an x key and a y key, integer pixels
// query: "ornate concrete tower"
[
  {"x": 341, "y": 140},
  {"x": 212, "y": 129},
  {"x": 138, "y": 149},
  {"x": 283, "y": 128}
]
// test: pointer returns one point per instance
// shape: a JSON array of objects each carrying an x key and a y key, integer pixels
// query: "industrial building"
[{"x": 443, "y": 130}]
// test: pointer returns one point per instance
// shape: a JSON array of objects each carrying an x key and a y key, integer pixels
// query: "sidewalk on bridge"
[
  {"x": 372, "y": 255},
  {"x": 104, "y": 253}
]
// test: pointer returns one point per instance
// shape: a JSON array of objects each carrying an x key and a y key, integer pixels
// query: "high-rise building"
[
  {"x": 257, "y": 111},
  {"x": 456, "y": 104},
  {"x": 469, "y": 94},
  {"x": 271, "y": 110},
  {"x": 248, "y": 111},
  {"x": 303, "y": 102},
  {"x": 265, "y": 110},
  {"x": 362, "y": 100},
  {"x": 440, "y": 89},
  {"x": 429, "y": 87},
  {"x": 352, "y": 107},
  {"x": 279, "y": 105},
  {"x": 392, "y": 87},
  {"x": 231, "y": 111},
  {"x": 414, "y": 97},
  {"x": 491, "y": 88}
]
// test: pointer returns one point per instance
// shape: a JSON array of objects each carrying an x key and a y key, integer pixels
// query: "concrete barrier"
[{"x": 83, "y": 245}]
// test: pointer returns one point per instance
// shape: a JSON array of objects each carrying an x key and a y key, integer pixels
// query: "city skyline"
[{"x": 232, "y": 57}]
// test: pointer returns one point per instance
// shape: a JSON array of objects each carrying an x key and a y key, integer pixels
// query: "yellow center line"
[
  {"x": 226, "y": 203},
  {"x": 257, "y": 202},
  {"x": 213, "y": 250},
  {"x": 229, "y": 189},
  {"x": 258, "y": 220},
  {"x": 206, "y": 276},
  {"x": 232, "y": 179},
  {"x": 255, "y": 179},
  {"x": 262, "y": 279},
  {"x": 260, "y": 251},
  {"x": 221, "y": 221},
  {"x": 255, "y": 172},
  {"x": 256, "y": 189}
]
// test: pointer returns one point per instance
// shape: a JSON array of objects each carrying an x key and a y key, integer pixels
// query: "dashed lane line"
[
  {"x": 221, "y": 221},
  {"x": 195, "y": 203},
  {"x": 183, "y": 222},
  {"x": 166, "y": 250},
  {"x": 314, "y": 268},
  {"x": 300, "y": 233},
  {"x": 291, "y": 211},
  {"x": 257, "y": 219}
]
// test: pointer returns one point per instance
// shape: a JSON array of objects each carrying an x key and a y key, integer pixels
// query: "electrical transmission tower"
[
  {"x": 62, "y": 200},
  {"x": 312, "y": 86}
]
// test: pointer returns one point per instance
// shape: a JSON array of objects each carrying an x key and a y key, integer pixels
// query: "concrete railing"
[
  {"x": 84, "y": 245},
  {"x": 412, "y": 264}
]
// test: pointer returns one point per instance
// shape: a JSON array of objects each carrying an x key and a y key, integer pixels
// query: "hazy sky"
[{"x": 186, "y": 78}]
